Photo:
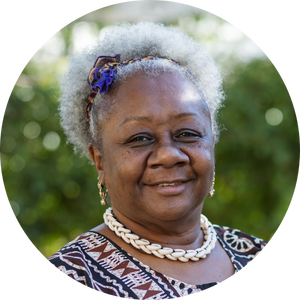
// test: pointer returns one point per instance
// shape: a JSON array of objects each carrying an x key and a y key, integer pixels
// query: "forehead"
[{"x": 164, "y": 94}]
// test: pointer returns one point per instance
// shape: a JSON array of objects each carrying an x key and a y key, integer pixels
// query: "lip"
[
  {"x": 170, "y": 181},
  {"x": 173, "y": 187}
]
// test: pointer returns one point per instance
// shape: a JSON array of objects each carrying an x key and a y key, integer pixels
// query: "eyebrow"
[
  {"x": 183, "y": 115},
  {"x": 148, "y": 119}
]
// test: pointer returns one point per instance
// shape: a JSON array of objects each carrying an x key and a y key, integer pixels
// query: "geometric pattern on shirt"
[
  {"x": 240, "y": 244},
  {"x": 97, "y": 262}
]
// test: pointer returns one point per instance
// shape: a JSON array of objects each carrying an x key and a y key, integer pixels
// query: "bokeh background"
[{"x": 53, "y": 192}]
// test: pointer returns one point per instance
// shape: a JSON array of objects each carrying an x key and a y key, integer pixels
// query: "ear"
[{"x": 98, "y": 161}]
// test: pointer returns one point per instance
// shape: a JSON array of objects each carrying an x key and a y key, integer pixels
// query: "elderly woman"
[{"x": 147, "y": 118}]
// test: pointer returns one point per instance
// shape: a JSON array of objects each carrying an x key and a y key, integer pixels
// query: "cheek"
[
  {"x": 203, "y": 156},
  {"x": 122, "y": 169}
]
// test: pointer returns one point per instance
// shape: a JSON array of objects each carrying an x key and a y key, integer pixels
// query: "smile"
[
  {"x": 170, "y": 184},
  {"x": 170, "y": 188}
]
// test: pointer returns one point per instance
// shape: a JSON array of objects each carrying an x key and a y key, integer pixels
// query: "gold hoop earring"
[
  {"x": 212, "y": 190},
  {"x": 103, "y": 195}
]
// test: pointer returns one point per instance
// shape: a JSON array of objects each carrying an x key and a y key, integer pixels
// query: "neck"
[{"x": 184, "y": 233}]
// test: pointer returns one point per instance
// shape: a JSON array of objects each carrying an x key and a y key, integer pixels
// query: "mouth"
[
  {"x": 170, "y": 184},
  {"x": 171, "y": 188}
]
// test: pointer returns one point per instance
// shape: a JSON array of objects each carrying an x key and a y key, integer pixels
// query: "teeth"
[{"x": 170, "y": 184}]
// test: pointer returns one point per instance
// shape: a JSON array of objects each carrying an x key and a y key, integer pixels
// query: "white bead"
[
  {"x": 146, "y": 250},
  {"x": 125, "y": 238},
  {"x": 142, "y": 242},
  {"x": 111, "y": 227},
  {"x": 205, "y": 245},
  {"x": 132, "y": 242},
  {"x": 117, "y": 232},
  {"x": 153, "y": 247},
  {"x": 183, "y": 259},
  {"x": 178, "y": 253},
  {"x": 194, "y": 258},
  {"x": 208, "y": 249},
  {"x": 200, "y": 253},
  {"x": 157, "y": 254},
  {"x": 190, "y": 253},
  {"x": 125, "y": 230},
  {"x": 169, "y": 256},
  {"x": 165, "y": 251},
  {"x": 132, "y": 236}
]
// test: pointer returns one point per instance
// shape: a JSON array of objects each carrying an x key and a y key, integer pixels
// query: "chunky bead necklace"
[{"x": 210, "y": 238}]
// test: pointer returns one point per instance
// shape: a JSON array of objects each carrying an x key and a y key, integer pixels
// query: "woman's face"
[{"x": 158, "y": 149}]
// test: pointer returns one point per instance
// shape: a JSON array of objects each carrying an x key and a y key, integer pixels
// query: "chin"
[{"x": 175, "y": 212}]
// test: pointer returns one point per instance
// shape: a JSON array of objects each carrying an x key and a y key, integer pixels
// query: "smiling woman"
[{"x": 149, "y": 125}]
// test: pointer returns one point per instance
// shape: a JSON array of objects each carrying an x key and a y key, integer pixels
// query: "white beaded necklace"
[{"x": 210, "y": 238}]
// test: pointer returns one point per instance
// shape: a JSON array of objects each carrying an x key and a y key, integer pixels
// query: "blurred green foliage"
[
  {"x": 53, "y": 192},
  {"x": 256, "y": 163}
]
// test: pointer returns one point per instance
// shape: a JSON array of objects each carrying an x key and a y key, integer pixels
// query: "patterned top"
[{"x": 94, "y": 260}]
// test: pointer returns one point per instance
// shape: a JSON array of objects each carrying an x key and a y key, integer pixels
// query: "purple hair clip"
[{"x": 102, "y": 73}]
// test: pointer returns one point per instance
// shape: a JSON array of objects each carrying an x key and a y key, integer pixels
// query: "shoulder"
[
  {"x": 95, "y": 261},
  {"x": 85, "y": 244},
  {"x": 240, "y": 246},
  {"x": 238, "y": 240},
  {"x": 77, "y": 258}
]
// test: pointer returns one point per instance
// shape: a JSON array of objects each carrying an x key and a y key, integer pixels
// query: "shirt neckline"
[{"x": 169, "y": 278}]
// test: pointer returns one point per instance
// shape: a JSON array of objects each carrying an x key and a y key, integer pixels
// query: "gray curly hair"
[{"x": 133, "y": 40}]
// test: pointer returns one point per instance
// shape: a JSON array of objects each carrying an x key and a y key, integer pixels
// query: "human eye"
[
  {"x": 187, "y": 136},
  {"x": 140, "y": 140}
]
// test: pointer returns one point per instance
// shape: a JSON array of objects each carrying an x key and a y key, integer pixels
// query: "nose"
[{"x": 167, "y": 155}]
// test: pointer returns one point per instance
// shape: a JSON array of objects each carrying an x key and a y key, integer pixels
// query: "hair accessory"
[
  {"x": 102, "y": 194},
  {"x": 210, "y": 238},
  {"x": 212, "y": 190},
  {"x": 103, "y": 72}
]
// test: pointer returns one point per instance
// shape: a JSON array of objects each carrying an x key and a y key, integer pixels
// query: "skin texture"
[{"x": 161, "y": 132}]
